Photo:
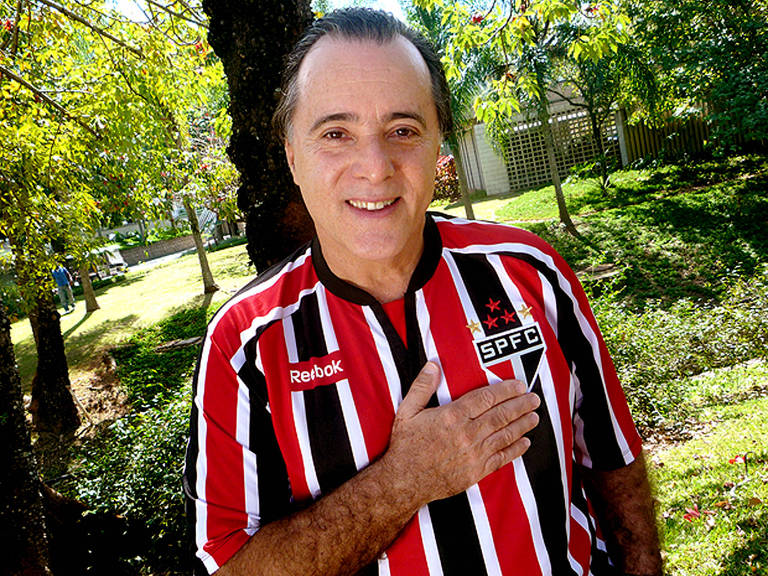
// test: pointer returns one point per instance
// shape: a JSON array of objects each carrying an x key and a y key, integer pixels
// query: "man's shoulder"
[
  {"x": 268, "y": 296},
  {"x": 487, "y": 237}
]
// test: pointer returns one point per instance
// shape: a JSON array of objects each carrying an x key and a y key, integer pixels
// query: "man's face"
[{"x": 363, "y": 148}]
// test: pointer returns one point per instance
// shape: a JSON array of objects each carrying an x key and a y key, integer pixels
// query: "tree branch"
[
  {"x": 40, "y": 94},
  {"x": 178, "y": 15},
  {"x": 92, "y": 26}
]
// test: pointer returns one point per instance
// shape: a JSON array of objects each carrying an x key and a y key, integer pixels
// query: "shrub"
[
  {"x": 657, "y": 350},
  {"x": 133, "y": 469},
  {"x": 446, "y": 180}
]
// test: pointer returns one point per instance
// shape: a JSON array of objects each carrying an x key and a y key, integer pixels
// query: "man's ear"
[{"x": 290, "y": 157}]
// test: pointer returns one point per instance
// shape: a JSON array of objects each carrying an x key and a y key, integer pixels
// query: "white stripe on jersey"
[
  {"x": 348, "y": 409},
  {"x": 434, "y": 566},
  {"x": 302, "y": 433},
  {"x": 483, "y": 528},
  {"x": 386, "y": 358},
  {"x": 300, "y": 414},
  {"x": 352, "y": 423},
  {"x": 529, "y": 503},
  {"x": 250, "y": 465},
  {"x": 430, "y": 349}
]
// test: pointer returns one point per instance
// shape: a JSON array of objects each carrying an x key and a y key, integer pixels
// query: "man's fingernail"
[{"x": 430, "y": 368}]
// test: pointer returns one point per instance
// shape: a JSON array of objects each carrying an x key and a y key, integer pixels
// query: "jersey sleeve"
[{"x": 234, "y": 476}]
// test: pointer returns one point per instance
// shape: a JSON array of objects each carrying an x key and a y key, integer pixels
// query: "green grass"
[
  {"x": 141, "y": 300},
  {"x": 729, "y": 536}
]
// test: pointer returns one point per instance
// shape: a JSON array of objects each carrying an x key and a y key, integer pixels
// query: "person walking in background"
[{"x": 64, "y": 285}]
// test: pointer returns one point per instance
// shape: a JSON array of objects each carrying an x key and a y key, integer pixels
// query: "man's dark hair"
[{"x": 359, "y": 24}]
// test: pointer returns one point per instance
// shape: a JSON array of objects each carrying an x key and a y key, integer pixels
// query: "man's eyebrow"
[
  {"x": 350, "y": 117},
  {"x": 408, "y": 116},
  {"x": 335, "y": 117}
]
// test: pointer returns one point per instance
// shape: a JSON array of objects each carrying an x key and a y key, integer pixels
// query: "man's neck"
[{"x": 385, "y": 281}]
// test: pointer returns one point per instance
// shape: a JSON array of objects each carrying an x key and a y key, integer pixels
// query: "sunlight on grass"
[
  {"x": 142, "y": 299},
  {"x": 714, "y": 506}
]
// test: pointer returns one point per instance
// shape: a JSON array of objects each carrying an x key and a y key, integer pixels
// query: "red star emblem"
[
  {"x": 493, "y": 305},
  {"x": 508, "y": 317},
  {"x": 491, "y": 322}
]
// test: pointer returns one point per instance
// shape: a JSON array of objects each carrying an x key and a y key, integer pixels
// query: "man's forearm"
[
  {"x": 339, "y": 534},
  {"x": 624, "y": 506}
]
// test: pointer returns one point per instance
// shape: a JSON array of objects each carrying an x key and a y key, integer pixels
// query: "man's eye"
[
  {"x": 405, "y": 132},
  {"x": 334, "y": 135}
]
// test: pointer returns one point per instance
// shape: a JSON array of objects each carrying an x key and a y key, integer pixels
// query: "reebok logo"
[{"x": 316, "y": 372}]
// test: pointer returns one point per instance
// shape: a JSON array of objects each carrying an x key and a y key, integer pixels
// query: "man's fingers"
[
  {"x": 504, "y": 457},
  {"x": 421, "y": 391},
  {"x": 507, "y": 436},
  {"x": 480, "y": 400}
]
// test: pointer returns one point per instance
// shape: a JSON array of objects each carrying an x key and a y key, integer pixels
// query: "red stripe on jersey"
[
  {"x": 580, "y": 544},
  {"x": 396, "y": 313},
  {"x": 272, "y": 346},
  {"x": 406, "y": 555},
  {"x": 509, "y": 523},
  {"x": 363, "y": 367},
  {"x": 224, "y": 494}
]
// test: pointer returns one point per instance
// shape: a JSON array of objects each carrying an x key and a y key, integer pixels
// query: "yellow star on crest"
[
  {"x": 475, "y": 327},
  {"x": 524, "y": 311}
]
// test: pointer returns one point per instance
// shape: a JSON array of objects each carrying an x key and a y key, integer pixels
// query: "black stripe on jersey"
[
  {"x": 543, "y": 469},
  {"x": 328, "y": 439},
  {"x": 396, "y": 346},
  {"x": 489, "y": 299},
  {"x": 579, "y": 354},
  {"x": 308, "y": 329},
  {"x": 456, "y": 537},
  {"x": 371, "y": 570},
  {"x": 274, "y": 487}
]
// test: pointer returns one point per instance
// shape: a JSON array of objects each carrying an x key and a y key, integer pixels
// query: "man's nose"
[{"x": 374, "y": 161}]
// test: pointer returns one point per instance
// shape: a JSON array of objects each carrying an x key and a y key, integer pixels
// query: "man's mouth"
[{"x": 371, "y": 206}]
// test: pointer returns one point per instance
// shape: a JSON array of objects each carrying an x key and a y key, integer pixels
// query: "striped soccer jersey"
[{"x": 301, "y": 374}]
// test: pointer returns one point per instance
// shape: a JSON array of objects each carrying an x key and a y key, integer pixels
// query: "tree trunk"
[
  {"x": 251, "y": 38},
  {"x": 549, "y": 143},
  {"x": 53, "y": 407},
  {"x": 597, "y": 136},
  {"x": 462, "y": 175},
  {"x": 88, "y": 294},
  {"x": 209, "y": 286},
  {"x": 22, "y": 521}
]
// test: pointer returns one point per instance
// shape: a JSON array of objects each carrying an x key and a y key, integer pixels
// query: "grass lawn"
[
  {"x": 144, "y": 298},
  {"x": 713, "y": 488}
]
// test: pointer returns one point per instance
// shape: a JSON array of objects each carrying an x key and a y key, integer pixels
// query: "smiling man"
[{"x": 407, "y": 394}]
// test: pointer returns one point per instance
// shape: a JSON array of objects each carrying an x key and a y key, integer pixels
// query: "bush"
[
  {"x": 133, "y": 469},
  {"x": 446, "y": 180},
  {"x": 657, "y": 350}
]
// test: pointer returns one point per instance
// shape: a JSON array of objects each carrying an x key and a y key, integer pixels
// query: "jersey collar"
[{"x": 426, "y": 267}]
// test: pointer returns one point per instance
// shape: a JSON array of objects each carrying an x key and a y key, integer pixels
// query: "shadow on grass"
[{"x": 681, "y": 245}]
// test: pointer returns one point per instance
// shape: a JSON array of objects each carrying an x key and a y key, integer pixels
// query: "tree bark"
[
  {"x": 22, "y": 520},
  {"x": 209, "y": 286},
  {"x": 455, "y": 145},
  {"x": 251, "y": 38},
  {"x": 549, "y": 142},
  {"x": 53, "y": 407},
  {"x": 88, "y": 294}
]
